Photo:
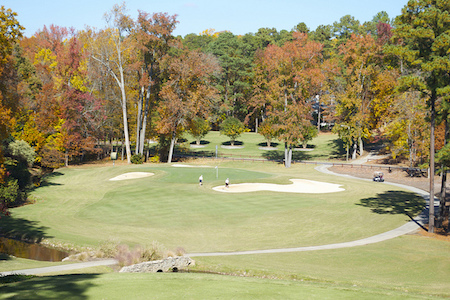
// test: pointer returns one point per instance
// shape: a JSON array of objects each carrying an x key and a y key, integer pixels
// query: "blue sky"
[{"x": 239, "y": 17}]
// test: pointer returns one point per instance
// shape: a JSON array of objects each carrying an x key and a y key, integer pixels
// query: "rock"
[{"x": 164, "y": 265}]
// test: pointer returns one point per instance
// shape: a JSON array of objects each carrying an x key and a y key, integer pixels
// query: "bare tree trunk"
[
  {"x": 172, "y": 145},
  {"x": 347, "y": 148},
  {"x": 125, "y": 130},
  {"x": 442, "y": 208},
  {"x": 432, "y": 149},
  {"x": 361, "y": 146},
  {"x": 139, "y": 121}
]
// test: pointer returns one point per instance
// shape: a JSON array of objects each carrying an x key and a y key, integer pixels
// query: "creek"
[{"x": 30, "y": 250}]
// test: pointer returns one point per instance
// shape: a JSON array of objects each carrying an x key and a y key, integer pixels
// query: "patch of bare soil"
[{"x": 439, "y": 233}]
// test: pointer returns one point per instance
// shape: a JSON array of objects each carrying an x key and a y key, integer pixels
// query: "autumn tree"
[
  {"x": 361, "y": 57},
  {"x": 113, "y": 50},
  {"x": 188, "y": 93},
  {"x": 421, "y": 33},
  {"x": 153, "y": 35},
  {"x": 406, "y": 128},
  {"x": 285, "y": 79},
  {"x": 10, "y": 32}
]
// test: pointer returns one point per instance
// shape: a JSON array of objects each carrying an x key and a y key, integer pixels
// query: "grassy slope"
[
  {"x": 172, "y": 209},
  {"x": 325, "y": 146},
  {"x": 406, "y": 267}
]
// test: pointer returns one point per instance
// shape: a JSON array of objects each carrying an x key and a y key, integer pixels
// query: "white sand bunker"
[
  {"x": 298, "y": 186},
  {"x": 132, "y": 175}
]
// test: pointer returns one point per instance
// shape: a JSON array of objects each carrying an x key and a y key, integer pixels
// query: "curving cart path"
[{"x": 409, "y": 227}]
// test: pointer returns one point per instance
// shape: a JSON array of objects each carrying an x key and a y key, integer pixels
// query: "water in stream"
[{"x": 30, "y": 251}]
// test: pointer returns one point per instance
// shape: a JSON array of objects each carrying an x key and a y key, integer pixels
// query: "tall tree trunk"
[
  {"x": 286, "y": 156},
  {"x": 125, "y": 130},
  {"x": 443, "y": 214},
  {"x": 432, "y": 150},
  {"x": 139, "y": 121},
  {"x": 361, "y": 146},
  {"x": 122, "y": 148},
  {"x": 347, "y": 149},
  {"x": 172, "y": 145}
]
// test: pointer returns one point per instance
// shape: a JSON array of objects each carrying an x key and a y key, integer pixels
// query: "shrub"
[
  {"x": 137, "y": 159},
  {"x": 22, "y": 150},
  {"x": 154, "y": 159}
]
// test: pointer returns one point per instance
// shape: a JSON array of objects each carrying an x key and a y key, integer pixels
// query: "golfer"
[
  {"x": 227, "y": 183},
  {"x": 200, "y": 180}
]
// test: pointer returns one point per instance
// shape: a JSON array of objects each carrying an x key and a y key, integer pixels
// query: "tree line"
[{"x": 63, "y": 92}]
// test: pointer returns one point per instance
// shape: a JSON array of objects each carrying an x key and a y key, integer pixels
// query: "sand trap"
[
  {"x": 132, "y": 175},
  {"x": 298, "y": 186}
]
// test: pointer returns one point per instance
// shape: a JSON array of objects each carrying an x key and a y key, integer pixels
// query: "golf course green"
[{"x": 82, "y": 207}]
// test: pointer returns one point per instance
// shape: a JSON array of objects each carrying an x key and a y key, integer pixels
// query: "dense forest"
[{"x": 65, "y": 92}]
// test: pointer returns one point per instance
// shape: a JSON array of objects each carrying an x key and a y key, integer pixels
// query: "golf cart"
[{"x": 378, "y": 177}]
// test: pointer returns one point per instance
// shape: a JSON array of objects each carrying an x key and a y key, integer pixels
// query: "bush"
[
  {"x": 137, "y": 159},
  {"x": 154, "y": 159},
  {"x": 22, "y": 150}
]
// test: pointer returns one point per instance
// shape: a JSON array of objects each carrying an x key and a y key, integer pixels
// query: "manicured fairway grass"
[
  {"x": 184, "y": 286},
  {"x": 323, "y": 147},
  {"x": 81, "y": 206}
]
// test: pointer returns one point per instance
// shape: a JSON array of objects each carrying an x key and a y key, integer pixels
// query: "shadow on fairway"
[
  {"x": 278, "y": 155},
  {"x": 45, "y": 181},
  {"x": 338, "y": 149},
  {"x": 48, "y": 287},
  {"x": 272, "y": 144},
  {"x": 236, "y": 143},
  {"x": 22, "y": 230},
  {"x": 395, "y": 202},
  {"x": 202, "y": 142}
]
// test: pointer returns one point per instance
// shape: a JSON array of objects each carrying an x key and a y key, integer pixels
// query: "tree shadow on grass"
[
  {"x": 338, "y": 150},
  {"x": 22, "y": 229},
  {"x": 395, "y": 202},
  {"x": 236, "y": 143},
  {"x": 48, "y": 287},
  {"x": 272, "y": 144},
  {"x": 278, "y": 155},
  {"x": 202, "y": 142}
]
